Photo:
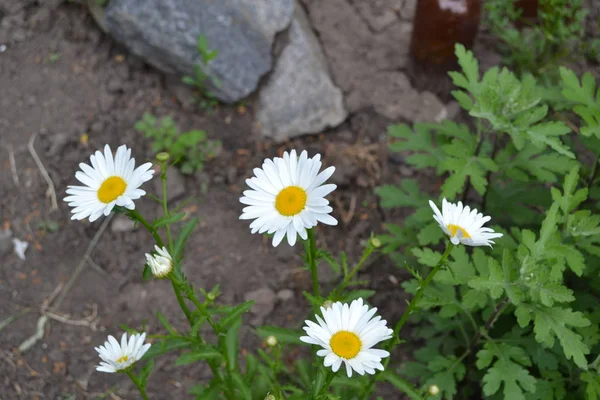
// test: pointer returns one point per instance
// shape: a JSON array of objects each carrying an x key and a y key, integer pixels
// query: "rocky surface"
[
  {"x": 376, "y": 36},
  {"x": 299, "y": 96},
  {"x": 165, "y": 32}
]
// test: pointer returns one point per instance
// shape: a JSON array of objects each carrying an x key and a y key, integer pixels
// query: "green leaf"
[
  {"x": 165, "y": 346},
  {"x": 554, "y": 323},
  {"x": 403, "y": 385},
  {"x": 501, "y": 279},
  {"x": 283, "y": 335},
  {"x": 507, "y": 371},
  {"x": 200, "y": 354},
  {"x": 145, "y": 372},
  {"x": 168, "y": 220},
  {"x": 231, "y": 344},
  {"x": 166, "y": 324},
  {"x": 235, "y": 313},
  {"x": 585, "y": 98},
  {"x": 241, "y": 386},
  {"x": 592, "y": 389},
  {"x": 407, "y": 194},
  {"x": 184, "y": 235},
  {"x": 426, "y": 256}
]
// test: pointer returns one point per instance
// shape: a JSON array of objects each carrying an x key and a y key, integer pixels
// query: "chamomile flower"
[
  {"x": 288, "y": 197},
  {"x": 117, "y": 357},
  {"x": 464, "y": 225},
  {"x": 109, "y": 182},
  {"x": 347, "y": 334},
  {"x": 161, "y": 263}
]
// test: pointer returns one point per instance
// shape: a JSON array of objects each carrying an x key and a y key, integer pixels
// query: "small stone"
[
  {"x": 6, "y": 243},
  {"x": 97, "y": 126},
  {"x": 175, "y": 184},
  {"x": 453, "y": 109},
  {"x": 231, "y": 174},
  {"x": 122, "y": 223},
  {"x": 264, "y": 303},
  {"x": 379, "y": 14},
  {"x": 114, "y": 85},
  {"x": 431, "y": 109},
  {"x": 59, "y": 141},
  {"x": 285, "y": 294}
]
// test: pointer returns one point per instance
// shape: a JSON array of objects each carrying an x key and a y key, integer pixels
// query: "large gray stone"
[
  {"x": 299, "y": 96},
  {"x": 165, "y": 32}
]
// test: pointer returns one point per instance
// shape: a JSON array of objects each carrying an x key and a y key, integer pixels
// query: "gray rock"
[
  {"x": 299, "y": 96},
  {"x": 379, "y": 14},
  {"x": 408, "y": 10},
  {"x": 264, "y": 303},
  {"x": 285, "y": 294},
  {"x": 122, "y": 223},
  {"x": 175, "y": 184},
  {"x": 165, "y": 32}
]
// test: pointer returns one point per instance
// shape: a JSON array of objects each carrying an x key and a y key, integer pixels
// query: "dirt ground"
[{"x": 62, "y": 79}]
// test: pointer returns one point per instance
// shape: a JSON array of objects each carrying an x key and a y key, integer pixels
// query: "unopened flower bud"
[
  {"x": 271, "y": 341},
  {"x": 270, "y": 397},
  {"x": 210, "y": 296},
  {"x": 161, "y": 264},
  {"x": 376, "y": 242},
  {"x": 433, "y": 390},
  {"x": 327, "y": 304},
  {"x": 163, "y": 156}
]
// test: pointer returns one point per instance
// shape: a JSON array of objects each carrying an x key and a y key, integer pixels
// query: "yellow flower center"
[
  {"x": 454, "y": 229},
  {"x": 111, "y": 188},
  {"x": 291, "y": 201},
  {"x": 124, "y": 358},
  {"x": 345, "y": 344}
]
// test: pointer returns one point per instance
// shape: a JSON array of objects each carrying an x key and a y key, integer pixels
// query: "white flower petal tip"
[
  {"x": 161, "y": 263},
  {"x": 347, "y": 334},
  {"x": 120, "y": 356},
  {"x": 108, "y": 182},
  {"x": 287, "y": 197},
  {"x": 464, "y": 225}
]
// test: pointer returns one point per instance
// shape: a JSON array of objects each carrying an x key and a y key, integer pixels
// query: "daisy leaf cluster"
[{"x": 526, "y": 310}]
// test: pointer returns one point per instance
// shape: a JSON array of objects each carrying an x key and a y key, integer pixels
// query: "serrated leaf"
[
  {"x": 506, "y": 372},
  {"x": 407, "y": 194},
  {"x": 554, "y": 323},
  {"x": 426, "y": 256}
]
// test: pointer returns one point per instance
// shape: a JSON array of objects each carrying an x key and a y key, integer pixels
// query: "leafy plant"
[
  {"x": 538, "y": 47},
  {"x": 190, "y": 150},
  {"x": 521, "y": 321},
  {"x": 201, "y": 79}
]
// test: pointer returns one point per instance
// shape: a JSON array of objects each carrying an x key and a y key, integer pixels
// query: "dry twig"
[
  {"x": 44, "y": 172},
  {"x": 13, "y": 164},
  {"x": 60, "y": 292}
]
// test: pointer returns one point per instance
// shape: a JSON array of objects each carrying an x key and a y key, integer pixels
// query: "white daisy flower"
[
  {"x": 288, "y": 196},
  {"x": 117, "y": 357},
  {"x": 108, "y": 183},
  {"x": 464, "y": 225},
  {"x": 161, "y": 264},
  {"x": 348, "y": 334}
]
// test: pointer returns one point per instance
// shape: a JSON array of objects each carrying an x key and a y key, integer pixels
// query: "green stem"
[
  {"x": 407, "y": 312},
  {"x": 415, "y": 300},
  {"x": 311, "y": 253},
  {"x": 136, "y": 216},
  {"x": 137, "y": 383},
  {"x": 202, "y": 308},
  {"x": 367, "y": 252},
  {"x": 180, "y": 299},
  {"x": 163, "y": 178}
]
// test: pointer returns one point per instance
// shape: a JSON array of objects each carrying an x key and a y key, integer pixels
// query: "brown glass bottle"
[{"x": 438, "y": 25}]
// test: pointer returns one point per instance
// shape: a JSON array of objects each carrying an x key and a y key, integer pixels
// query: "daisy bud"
[
  {"x": 161, "y": 264},
  {"x": 271, "y": 341},
  {"x": 375, "y": 242},
  {"x": 270, "y": 397},
  {"x": 433, "y": 390},
  {"x": 162, "y": 156}
]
